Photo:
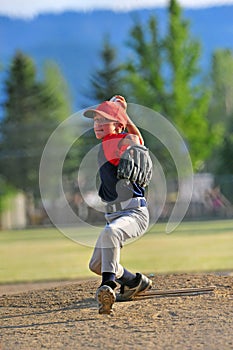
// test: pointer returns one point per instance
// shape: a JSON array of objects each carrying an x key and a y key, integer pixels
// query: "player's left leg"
[{"x": 121, "y": 227}]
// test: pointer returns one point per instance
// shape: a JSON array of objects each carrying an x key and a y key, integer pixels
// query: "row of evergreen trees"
[{"x": 162, "y": 73}]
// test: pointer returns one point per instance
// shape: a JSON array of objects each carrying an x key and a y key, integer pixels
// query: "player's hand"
[{"x": 120, "y": 100}]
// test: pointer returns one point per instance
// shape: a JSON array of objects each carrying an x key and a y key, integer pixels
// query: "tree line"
[{"x": 162, "y": 73}]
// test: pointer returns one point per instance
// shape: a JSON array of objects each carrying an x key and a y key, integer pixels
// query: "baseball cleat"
[
  {"x": 127, "y": 293},
  {"x": 105, "y": 297}
]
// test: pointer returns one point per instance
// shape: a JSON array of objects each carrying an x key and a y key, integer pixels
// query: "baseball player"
[{"x": 126, "y": 210}]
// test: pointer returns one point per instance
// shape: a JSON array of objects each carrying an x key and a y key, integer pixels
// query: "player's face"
[{"x": 103, "y": 126}]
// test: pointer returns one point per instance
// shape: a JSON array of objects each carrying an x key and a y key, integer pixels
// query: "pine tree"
[
  {"x": 221, "y": 103},
  {"x": 106, "y": 81},
  {"x": 189, "y": 98},
  {"x": 31, "y": 115},
  {"x": 220, "y": 111},
  {"x": 144, "y": 80},
  {"x": 164, "y": 74}
]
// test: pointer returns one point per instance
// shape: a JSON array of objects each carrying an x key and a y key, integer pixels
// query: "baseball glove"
[{"x": 135, "y": 165}]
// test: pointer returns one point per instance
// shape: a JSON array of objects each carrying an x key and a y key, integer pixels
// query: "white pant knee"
[
  {"x": 95, "y": 266},
  {"x": 109, "y": 238}
]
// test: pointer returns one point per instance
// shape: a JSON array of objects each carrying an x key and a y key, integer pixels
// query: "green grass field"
[{"x": 46, "y": 254}]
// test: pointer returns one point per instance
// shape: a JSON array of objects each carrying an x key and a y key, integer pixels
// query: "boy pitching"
[{"x": 126, "y": 210}]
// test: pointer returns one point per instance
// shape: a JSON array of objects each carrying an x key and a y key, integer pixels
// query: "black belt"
[{"x": 131, "y": 204}]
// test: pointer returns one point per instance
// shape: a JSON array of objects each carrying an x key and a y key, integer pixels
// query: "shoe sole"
[{"x": 106, "y": 298}]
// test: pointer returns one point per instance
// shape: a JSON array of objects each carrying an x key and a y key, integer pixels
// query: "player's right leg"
[{"x": 106, "y": 297}]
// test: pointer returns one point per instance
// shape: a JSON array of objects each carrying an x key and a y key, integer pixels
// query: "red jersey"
[{"x": 111, "y": 189}]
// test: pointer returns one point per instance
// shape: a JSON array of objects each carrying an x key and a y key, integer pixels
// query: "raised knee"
[
  {"x": 108, "y": 231},
  {"x": 110, "y": 238},
  {"x": 111, "y": 232},
  {"x": 94, "y": 267}
]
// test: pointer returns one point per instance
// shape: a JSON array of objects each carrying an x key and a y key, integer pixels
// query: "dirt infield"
[{"x": 66, "y": 317}]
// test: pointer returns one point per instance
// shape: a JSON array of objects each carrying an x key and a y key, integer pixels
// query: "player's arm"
[
  {"x": 134, "y": 132},
  {"x": 135, "y": 136},
  {"x": 130, "y": 140}
]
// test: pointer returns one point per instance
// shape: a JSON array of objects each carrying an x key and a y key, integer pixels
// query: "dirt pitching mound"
[{"x": 66, "y": 317}]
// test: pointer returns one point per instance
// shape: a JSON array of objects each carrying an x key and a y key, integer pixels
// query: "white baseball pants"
[{"x": 120, "y": 227}]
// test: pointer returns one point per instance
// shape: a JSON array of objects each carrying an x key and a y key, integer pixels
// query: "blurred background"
[{"x": 170, "y": 56}]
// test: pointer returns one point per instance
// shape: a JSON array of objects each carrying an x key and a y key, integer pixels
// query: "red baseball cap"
[{"x": 109, "y": 110}]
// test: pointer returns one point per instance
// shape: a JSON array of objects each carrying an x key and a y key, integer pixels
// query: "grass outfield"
[{"x": 46, "y": 254}]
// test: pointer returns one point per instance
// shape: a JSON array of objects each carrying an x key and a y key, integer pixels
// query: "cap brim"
[{"x": 90, "y": 113}]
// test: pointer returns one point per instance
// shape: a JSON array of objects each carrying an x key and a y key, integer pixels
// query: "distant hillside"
[{"x": 74, "y": 39}]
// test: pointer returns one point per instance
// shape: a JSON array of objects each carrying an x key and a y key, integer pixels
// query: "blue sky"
[{"x": 29, "y": 9}]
